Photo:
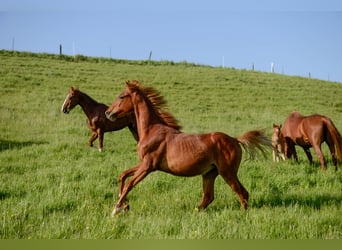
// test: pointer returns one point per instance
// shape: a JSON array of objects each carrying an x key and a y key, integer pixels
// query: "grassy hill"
[{"x": 54, "y": 186}]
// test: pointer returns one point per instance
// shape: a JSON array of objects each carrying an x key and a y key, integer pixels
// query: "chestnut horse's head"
[
  {"x": 70, "y": 101},
  {"x": 122, "y": 105}
]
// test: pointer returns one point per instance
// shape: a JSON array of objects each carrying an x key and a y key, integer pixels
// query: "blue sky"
[{"x": 297, "y": 36}]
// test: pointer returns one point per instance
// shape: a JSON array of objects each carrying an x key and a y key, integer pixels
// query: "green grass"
[{"x": 53, "y": 186}]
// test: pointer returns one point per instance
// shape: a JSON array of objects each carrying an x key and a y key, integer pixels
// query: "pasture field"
[{"x": 53, "y": 186}]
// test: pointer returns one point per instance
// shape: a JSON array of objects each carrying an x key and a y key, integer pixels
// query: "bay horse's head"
[
  {"x": 123, "y": 104},
  {"x": 70, "y": 101}
]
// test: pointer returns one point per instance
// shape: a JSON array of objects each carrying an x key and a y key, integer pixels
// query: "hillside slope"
[{"x": 54, "y": 186}]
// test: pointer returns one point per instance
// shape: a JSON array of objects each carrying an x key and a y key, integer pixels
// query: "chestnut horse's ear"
[
  {"x": 133, "y": 85},
  {"x": 274, "y": 125}
]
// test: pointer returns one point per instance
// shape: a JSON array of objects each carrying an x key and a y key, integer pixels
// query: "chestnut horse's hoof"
[{"x": 118, "y": 210}]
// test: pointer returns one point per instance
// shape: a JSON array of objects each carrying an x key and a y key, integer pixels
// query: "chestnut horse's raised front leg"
[
  {"x": 124, "y": 175},
  {"x": 140, "y": 173}
]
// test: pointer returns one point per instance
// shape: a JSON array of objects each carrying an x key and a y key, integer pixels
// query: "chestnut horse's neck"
[
  {"x": 87, "y": 103},
  {"x": 144, "y": 115}
]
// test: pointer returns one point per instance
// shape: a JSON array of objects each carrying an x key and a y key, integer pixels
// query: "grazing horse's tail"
[
  {"x": 253, "y": 140},
  {"x": 336, "y": 137}
]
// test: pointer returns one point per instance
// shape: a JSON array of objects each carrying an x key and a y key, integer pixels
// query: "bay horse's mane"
[
  {"x": 77, "y": 89},
  {"x": 157, "y": 103}
]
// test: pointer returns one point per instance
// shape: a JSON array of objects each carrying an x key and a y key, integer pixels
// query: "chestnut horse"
[
  {"x": 164, "y": 147},
  {"x": 97, "y": 120},
  {"x": 277, "y": 143},
  {"x": 311, "y": 131}
]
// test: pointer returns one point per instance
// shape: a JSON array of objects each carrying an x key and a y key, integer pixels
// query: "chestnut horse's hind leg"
[
  {"x": 208, "y": 188},
  {"x": 237, "y": 187}
]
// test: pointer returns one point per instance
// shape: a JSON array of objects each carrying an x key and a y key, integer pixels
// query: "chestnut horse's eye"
[{"x": 122, "y": 96}]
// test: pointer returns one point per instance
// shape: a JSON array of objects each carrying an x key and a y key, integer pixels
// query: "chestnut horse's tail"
[
  {"x": 336, "y": 137},
  {"x": 253, "y": 140}
]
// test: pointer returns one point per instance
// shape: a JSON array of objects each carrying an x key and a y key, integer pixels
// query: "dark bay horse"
[
  {"x": 97, "y": 120},
  {"x": 164, "y": 147},
  {"x": 311, "y": 131}
]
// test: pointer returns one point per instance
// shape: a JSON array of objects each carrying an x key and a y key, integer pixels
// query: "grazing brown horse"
[
  {"x": 277, "y": 143},
  {"x": 311, "y": 131},
  {"x": 164, "y": 147},
  {"x": 97, "y": 120}
]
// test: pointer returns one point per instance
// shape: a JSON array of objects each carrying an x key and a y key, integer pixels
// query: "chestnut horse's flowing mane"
[{"x": 157, "y": 102}]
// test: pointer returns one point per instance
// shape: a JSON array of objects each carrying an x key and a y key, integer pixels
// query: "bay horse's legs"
[
  {"x": 100, "y": 134},
  {"x": 308, "y": 154},
  {"x": 92, "y": 138},
  {"x": 141, "y": 172},
  {"x": 320, "y": 155},
  {"x": 208, "y": 181}
]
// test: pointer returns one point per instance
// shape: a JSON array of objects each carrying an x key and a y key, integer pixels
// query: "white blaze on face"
[{"x": 65, "y": 101}]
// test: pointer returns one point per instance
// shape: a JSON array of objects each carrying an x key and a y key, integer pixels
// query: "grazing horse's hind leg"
[
  {"x": 308, "y": 154},
  {"x": 208, "y": 188},
  {"x": 320, "y": 156},
  {"x": 331, "y": 146}
]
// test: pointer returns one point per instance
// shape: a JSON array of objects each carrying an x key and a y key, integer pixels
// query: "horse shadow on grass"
[
  {"x": 312, "y": 201},
  {"x": 8, "y": 145}
]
